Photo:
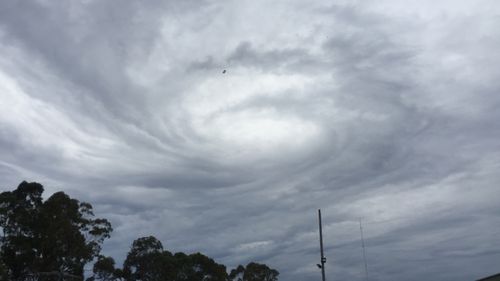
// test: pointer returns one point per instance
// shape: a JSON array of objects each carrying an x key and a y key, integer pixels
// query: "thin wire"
[{"x": 363, "y": 247}]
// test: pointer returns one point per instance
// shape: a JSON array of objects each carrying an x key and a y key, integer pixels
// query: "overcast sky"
[{"x": 386, "y": 111}]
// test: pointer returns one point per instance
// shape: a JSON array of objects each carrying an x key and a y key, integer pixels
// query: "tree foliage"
[
  {"x": 147, "y": 261},
  {"x": 58, "y": 235},
  {"x": 19, "y": 213},
  {"x": 253, "y": 272},
  {"x": 144, "y": 260},
  {"x": 4, "y": 275},
  {"x": 198, "y": 267},
  {"x": 44, "y": 240},
  {"x": 104, "y": 270}
]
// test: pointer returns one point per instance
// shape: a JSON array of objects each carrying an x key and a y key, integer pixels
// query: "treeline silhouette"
[{"x": 54, "y": 239}]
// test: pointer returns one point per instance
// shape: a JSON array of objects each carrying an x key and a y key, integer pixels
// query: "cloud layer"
[{"x": 382, "y": 111}]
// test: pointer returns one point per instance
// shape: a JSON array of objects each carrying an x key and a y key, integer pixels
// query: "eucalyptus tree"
[
  {"x": 59, "y": 235},
  {"x": 253, "y": 272},
  {"x": 148, "y": 261}
]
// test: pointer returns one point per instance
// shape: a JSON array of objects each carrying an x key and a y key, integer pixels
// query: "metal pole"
[{"x": 323, "y": 259}]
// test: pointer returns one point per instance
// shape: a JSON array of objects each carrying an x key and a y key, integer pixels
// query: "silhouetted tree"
[
  {"x": 253, "y": 272},
  {"x": 58, "y": 235},
  {"x": 147, "y": 261},
  {"x": 104, "y": 270},
  {"x": 44, "y": 240},
  {"x": 4, "y": 274},
  {"x": 198, "y": 267},
  {"x": 144, "y": 260},
  {"x": 237, "y": 273},
  {"x": 19, "y": 220}
]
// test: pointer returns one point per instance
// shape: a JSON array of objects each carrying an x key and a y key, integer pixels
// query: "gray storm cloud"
[{"x": 382, "y": 111}]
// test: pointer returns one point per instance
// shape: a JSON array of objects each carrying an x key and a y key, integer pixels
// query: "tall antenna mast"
[
  {"x": 363, "y": 246},
  {"x": 323, "y": 259}
]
